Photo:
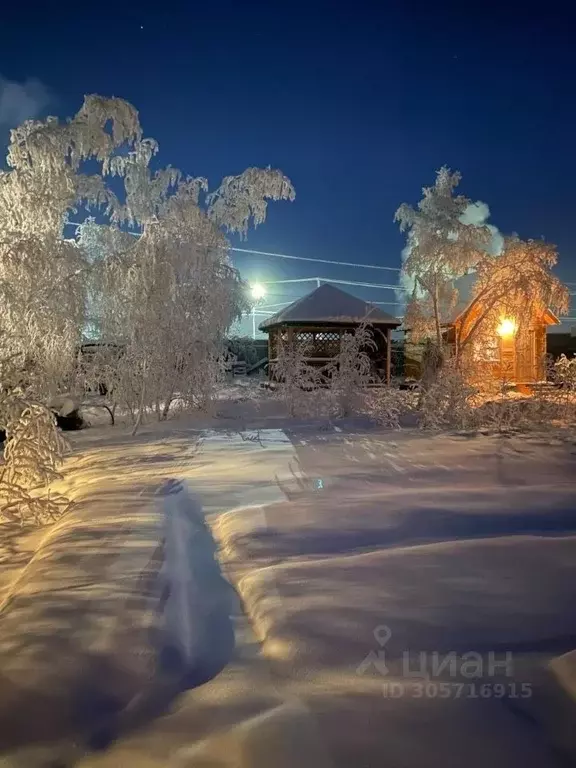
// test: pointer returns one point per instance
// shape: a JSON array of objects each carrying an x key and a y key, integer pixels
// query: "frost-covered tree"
[
  {"x": 164, "y": 297},
  {"x": 169, "y": 295},
  {"x": 42, "y": 285},
  {"x": 443, "y": 245}
]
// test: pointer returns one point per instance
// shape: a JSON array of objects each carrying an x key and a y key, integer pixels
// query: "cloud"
[
  {"x": 478, "y": 213},
  {"x": 21, "y": 101},
  {"x": 475, "y": 213}
]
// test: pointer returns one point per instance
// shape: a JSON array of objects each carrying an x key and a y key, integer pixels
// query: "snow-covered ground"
[
  {"x": 445, "y": 544},
  {"x": 344, "y": 543}
]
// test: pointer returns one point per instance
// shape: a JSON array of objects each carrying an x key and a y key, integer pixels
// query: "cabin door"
[
  {"x": 526, "y": 356},
  {"x": 507, "y": 359}
]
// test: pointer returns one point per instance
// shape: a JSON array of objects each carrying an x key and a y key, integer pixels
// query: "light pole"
[{"x": 258, "y": 292}]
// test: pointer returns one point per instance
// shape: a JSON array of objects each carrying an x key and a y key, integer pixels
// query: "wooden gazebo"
[{"x": 321, "y": 318}]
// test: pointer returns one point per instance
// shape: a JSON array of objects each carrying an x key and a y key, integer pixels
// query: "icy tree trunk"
[{"x": 142, "y": 402}]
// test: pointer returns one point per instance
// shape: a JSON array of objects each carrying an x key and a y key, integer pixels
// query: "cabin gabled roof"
[{"x": 465, "y": 284}]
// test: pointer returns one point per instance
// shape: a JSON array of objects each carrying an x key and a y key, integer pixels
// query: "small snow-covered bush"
[
  {"x": 564, "y": 372},
  {"x": 336, "y": 389},
  {"x": 446, "y": 402},
  {"x": 350, "y": 373},
  {"x": 301, "y": 386},
  {"x": 33, "y": 449},
  {"x": 387, "y": 405}
]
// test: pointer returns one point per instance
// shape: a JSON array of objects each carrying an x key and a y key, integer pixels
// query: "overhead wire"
[
  {"x": 381, "y": 286},
  {"x": 283, "y": 255}
]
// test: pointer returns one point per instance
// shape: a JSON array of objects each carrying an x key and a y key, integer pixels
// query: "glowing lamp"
[
  {"x": 507, "y": 327},
  {"x": 258, "y": 291}
]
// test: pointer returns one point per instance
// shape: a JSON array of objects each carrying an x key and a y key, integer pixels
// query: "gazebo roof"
[{"x": 328, "y": 304}]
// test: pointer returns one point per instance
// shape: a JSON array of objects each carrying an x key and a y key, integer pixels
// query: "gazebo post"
[{"x": 388, "y": 354}]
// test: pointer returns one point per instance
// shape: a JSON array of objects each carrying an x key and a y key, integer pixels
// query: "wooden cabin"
[
  {"x": 511, "y": 353},
  {"x": 321, "y": 318}
]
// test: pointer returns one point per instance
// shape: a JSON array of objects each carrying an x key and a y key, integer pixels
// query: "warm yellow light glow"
[
  {"x": 506, "y": 328},
  {"x": 258, "y": 291}
]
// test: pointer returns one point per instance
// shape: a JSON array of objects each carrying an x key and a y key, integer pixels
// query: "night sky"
[{"x": 357, "y": 103}]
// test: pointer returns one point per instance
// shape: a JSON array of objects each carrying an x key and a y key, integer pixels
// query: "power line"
[
  {"x": 366, "y": 285},
  {"x": 317, "y": 261},
  {"x": 292, "y": 280},
  {"x": 334, "y": 280},
  {"x": 283, "y": 255},
  {"x": 286, "y": 303}
]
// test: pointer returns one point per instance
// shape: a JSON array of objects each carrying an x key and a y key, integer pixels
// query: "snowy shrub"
[
  {"x": 350, "y": 372},
  {"x": 446, "y": 402},
  {"x": 501, "y": 410},
  {"x": 335, "y": 390},
  {"x": 33, "y": 449},
  {"x": 564, "y": 372},
  {"x": 301, "y": 386},
  {"x": 387, "y": 405},
  {"x": 559, "y": 399}
]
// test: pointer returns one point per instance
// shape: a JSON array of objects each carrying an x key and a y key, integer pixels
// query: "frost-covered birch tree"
[
  {"x": 43, "y": 285},
  {"x": 42, "y": 274},
  {"x": 169, "y": 295},
  {"x": 442, "y": 247},
  {"x": 165, "y": 297}
]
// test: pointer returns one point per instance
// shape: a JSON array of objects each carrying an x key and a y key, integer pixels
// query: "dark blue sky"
[{"x": 358, "y": 103}]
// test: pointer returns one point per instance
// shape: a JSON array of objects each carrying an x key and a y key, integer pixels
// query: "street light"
[{"x": 258, "y": 291}]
